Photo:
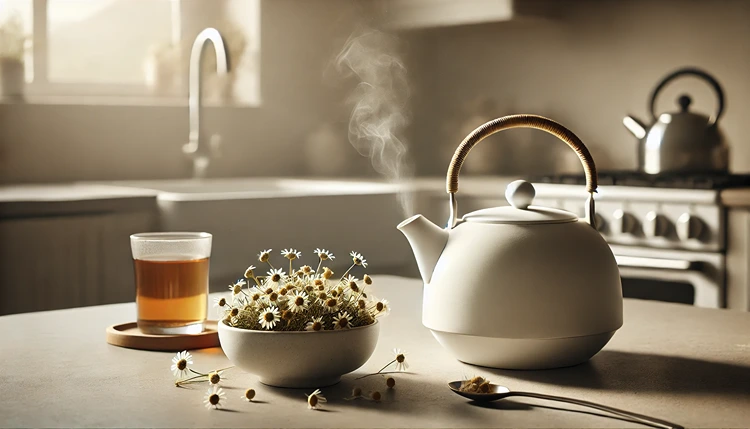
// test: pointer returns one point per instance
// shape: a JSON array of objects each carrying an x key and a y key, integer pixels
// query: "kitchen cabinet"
[{"x": 72, "y": 260}]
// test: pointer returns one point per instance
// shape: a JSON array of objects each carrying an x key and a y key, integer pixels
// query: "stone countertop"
[{"x": 683, "y": 364}]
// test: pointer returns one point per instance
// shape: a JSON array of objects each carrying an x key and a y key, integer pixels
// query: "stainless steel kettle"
[{"x": 684, "y": 141}]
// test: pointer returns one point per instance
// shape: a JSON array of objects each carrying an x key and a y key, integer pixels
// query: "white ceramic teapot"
[{"x": 519, "y": 287}]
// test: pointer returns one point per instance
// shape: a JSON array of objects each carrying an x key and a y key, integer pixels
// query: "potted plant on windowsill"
[
  {"x": 12, "y": 42},
  {"x": 302, "y": 328}
]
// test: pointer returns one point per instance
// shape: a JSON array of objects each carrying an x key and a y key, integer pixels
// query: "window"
[{"x": 134, "y": 48}]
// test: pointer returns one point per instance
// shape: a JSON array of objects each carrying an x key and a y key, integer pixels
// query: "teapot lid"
[{"x": 520, "y": 194}]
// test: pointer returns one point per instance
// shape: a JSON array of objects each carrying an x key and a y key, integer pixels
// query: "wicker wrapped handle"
[{"x": 521, "y": 121}]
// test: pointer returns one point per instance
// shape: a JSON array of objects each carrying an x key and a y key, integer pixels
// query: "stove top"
[{"x": 634, "y": 178}]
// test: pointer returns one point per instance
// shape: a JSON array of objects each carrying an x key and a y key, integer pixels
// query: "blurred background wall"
[{"x": 586, "y": 65}]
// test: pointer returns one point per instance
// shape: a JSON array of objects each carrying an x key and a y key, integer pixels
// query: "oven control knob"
[
  {"x": 622, "y": 222},
  {"x": 654, "y": 225},
  {"x": 688, "y": 227}
]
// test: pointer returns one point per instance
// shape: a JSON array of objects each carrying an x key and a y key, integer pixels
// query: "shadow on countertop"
[{"x": 638, "y": 372}]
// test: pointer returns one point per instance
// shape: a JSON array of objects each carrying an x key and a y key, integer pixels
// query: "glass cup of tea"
[{"x": 171, "y": 281}]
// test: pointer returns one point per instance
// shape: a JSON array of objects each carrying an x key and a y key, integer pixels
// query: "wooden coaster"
[{"x": 128, "y": 335}]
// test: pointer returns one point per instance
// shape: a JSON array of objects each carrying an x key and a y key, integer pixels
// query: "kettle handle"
[
  {"x": 694, "y": 72},
  {"x": 521, "y": 121}
]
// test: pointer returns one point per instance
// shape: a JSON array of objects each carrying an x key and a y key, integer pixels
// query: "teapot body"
[{"x": 524, "y": 296}]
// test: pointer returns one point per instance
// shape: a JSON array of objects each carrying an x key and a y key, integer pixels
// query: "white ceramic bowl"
[{"x": 299, "y": 358}]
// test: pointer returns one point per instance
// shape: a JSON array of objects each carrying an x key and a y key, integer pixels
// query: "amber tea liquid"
[{"x": 171, "y": 295}]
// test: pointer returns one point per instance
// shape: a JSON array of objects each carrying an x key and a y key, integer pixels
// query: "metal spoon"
[{"x": 501, "y": 392}]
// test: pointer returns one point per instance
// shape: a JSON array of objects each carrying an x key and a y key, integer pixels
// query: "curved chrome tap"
[{"x": 192, "y": 147}]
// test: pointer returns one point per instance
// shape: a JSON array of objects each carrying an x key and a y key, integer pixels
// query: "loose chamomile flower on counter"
[
  {"x": 324, "y": 255},
  {"x": 342, "y": 321},
  {"x": 358, "y": 259},
  {"x": 269, "y": 317},
  {"x": 401, "y": 364},
  {"x": 356, "y": 393},
  {"x": 298, "y": 302},
  {"x": 214, "y": 377},
  {"x": 180, "y": 363},
  {"x": 390, "y": 382},
  {"x": 316, "y": 324},
  {"x": 249, "y": 395},
  {"x": 315, "y": 399},
  {"x": 375, "y": 396},
  {"x": 213, "y": 397},
  {"x": 291, "y": 254},
  {"x": 264, "y": 255}
]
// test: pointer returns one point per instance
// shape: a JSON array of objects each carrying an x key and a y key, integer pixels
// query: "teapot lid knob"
[
  {"x": 520, "y": 194},
  {"x": 684, "y": 102}
]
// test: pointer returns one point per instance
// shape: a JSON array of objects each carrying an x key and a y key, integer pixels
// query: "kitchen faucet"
[{"x": 192, "y": 148}]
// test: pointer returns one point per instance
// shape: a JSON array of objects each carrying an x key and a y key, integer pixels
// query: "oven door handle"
[{"x": 658, "y": 263}]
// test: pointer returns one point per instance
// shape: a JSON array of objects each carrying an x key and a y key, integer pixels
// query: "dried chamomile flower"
[
  {"x": 234, "y": 312},
  {"x": 356, "y": 393},
  {"x": 287, "y": 315},
  {"x": 475, "y": 385},
  {"x": 291, "y": 254},
  {"x": 316, "y": 324},
  {"x": 213, "y": 397},
  {"x": 220, "y": 303},
  {"x": 276, "y": 275},
  {"x": 332, "y": 305},
  {"x": 306, "y": 269},
  {"x": 269, "y": 318},
  {"x": 327, "y": 273},
  {"x": 358, "y": 259},
  {"x": 237, "y": 287},
  {"x": 367, "y": 279},
  {"x": 390, "y": 382},
  {"x": 342, "y": 321},
  {"x": 375, "y": 396},
  {"x": 324, "y": 255},
  {"x": 401, "y": 364},
  {"x": 298, "y": 302},
  {"x": 264, "y": 255},
  {"x": 382, "y": 308},
  {"x": 249, "y": 395},
  {"x": 249, "y": 272},
  {"x": 315, "y": 400},
  {"x": 180, "y": 363},
  {"x": 214, "y": 377}
]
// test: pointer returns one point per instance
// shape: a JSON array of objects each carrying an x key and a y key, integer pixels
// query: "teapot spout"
[
  {"x": 635, "y": 126},
  {"x": 427, "y": 241}
]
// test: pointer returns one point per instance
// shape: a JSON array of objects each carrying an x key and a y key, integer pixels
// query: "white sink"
[{"x": 246, "y": 215}]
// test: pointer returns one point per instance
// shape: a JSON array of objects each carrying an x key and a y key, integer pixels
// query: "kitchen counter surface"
[
  {"x": 683, "y": 364},
  {"x": 67, "y": 198}
]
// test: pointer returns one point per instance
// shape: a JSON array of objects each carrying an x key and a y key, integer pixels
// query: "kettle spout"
[
  {"x": 635, "y": 126},
  {"x": 427, "y": 241}
]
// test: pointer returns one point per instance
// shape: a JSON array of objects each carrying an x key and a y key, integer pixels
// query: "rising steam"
[{"x": 380, "y": 109}]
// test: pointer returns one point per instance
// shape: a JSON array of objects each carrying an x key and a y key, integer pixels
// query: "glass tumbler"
[{"x": 171, "y": 281}]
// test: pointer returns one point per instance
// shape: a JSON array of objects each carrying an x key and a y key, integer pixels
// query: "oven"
[{"x": 680, "y": 276}]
